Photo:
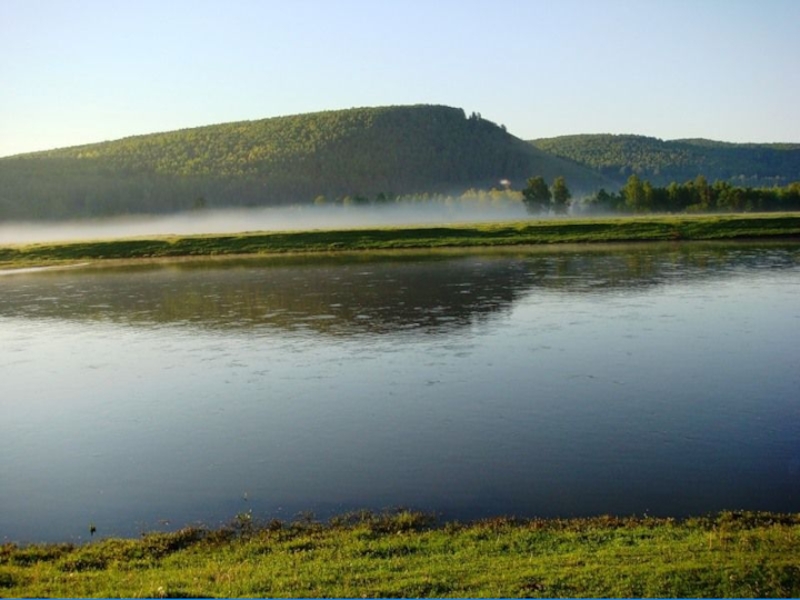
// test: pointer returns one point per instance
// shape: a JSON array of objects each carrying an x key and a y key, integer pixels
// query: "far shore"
[{"x": 648, "y": 228}]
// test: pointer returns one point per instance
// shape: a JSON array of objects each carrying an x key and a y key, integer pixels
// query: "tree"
[
  {"x": 561, "y": 196},
  {"x": 702, "y": 192},
  {"x": 634, "y": 193},
  {"x": 728, "y": 197},
  {"x": 648, "y": 196},
  {"x": 536, "y": 195},
  {"x": 602, "y": 201}
]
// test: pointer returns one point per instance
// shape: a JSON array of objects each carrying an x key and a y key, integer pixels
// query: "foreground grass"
[
  {"x": 403, "y": 554},
  {"x": 611, "y": 229}
]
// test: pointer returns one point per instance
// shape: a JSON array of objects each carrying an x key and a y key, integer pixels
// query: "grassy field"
[
  {"x": 404, "y": 554},
  {"x": 611, "y": 229}
]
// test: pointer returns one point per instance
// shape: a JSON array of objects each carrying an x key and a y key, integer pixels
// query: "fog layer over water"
[
  {"x": 658, "y": 379},
  {"x": 260, "y": 219}
]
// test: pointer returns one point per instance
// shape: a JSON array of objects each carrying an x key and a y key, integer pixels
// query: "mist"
[{"x": 230, "y": 221}]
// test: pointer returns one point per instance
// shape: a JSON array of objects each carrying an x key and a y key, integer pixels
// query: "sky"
[{"x": 83, "y": 71}]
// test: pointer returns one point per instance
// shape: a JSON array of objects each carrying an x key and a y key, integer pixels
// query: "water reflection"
[
  {"x": 626, "y": 379},
  {"x": 371, "y": 294}
]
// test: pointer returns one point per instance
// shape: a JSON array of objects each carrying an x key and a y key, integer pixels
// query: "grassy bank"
[
  {"x": 403, "y": 554},
  {"x": 611, "y": 229}
]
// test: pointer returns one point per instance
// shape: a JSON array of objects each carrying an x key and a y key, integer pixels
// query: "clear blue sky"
[{"x": 79, "y": 71}]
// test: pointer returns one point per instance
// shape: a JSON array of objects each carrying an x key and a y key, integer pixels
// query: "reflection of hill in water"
[{"x": 366, "y": 294}]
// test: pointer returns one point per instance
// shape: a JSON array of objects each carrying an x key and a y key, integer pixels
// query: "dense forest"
[
  {"x": 370, "y": 155},
  {"x": 322, "y": 157},
  {"x": 663, "y": 162}
]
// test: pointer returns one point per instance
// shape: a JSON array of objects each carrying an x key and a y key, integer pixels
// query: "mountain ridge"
[
  {"x": 618, "y": 156},
  {"x": 292, "y": 159},
  {"x": 366, "y": 153}
]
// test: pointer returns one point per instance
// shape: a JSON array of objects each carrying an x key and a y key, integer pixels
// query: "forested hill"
[
  {"x": 364, "y": 152},
  {"x": 662, "y": 162}
]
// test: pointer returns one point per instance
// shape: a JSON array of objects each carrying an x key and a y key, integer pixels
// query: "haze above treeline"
[{"x": 355, "y": 156}]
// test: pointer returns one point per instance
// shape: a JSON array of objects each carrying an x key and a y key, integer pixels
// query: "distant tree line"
[
  {"x": 482, "y": 199},
  {"x": 640, "y": 196},
  {"x": 636, "y": 196}
]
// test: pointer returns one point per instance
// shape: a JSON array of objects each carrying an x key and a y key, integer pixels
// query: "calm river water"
[{"x": 660, "y": 379}]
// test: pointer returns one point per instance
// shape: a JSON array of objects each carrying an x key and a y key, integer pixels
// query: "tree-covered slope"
[
  {"x": 662, "y": 162},
  {"x": 293, "y": 159}
]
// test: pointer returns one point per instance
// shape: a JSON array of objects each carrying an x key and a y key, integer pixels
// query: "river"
[{"x": 659, "y": 379}]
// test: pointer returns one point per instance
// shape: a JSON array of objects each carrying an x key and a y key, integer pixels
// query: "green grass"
[
  {"x": 611, "y": 229},
  {"x": 406, "y": 554}
]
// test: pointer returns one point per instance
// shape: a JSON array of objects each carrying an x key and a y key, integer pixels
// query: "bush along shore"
[
  {"x": 407, "y": 554},
  {"x": 565, "y": 230}
]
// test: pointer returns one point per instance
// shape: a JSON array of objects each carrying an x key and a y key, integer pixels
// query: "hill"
[
  {"x": 293, "y": 159},
  {"x": 662, "y": 162}
]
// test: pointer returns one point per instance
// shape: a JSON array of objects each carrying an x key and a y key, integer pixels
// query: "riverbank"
[
  {"x": 405, "y": 554},
  {"x": 550, "y": 231}
]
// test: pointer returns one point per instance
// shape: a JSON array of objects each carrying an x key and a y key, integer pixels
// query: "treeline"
[
  {"x": 278, "y": 161},
  {"x": 473, "y": 196},
  {"x": 661, "y": 162},
  {"x": 697, "y": 195}
]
